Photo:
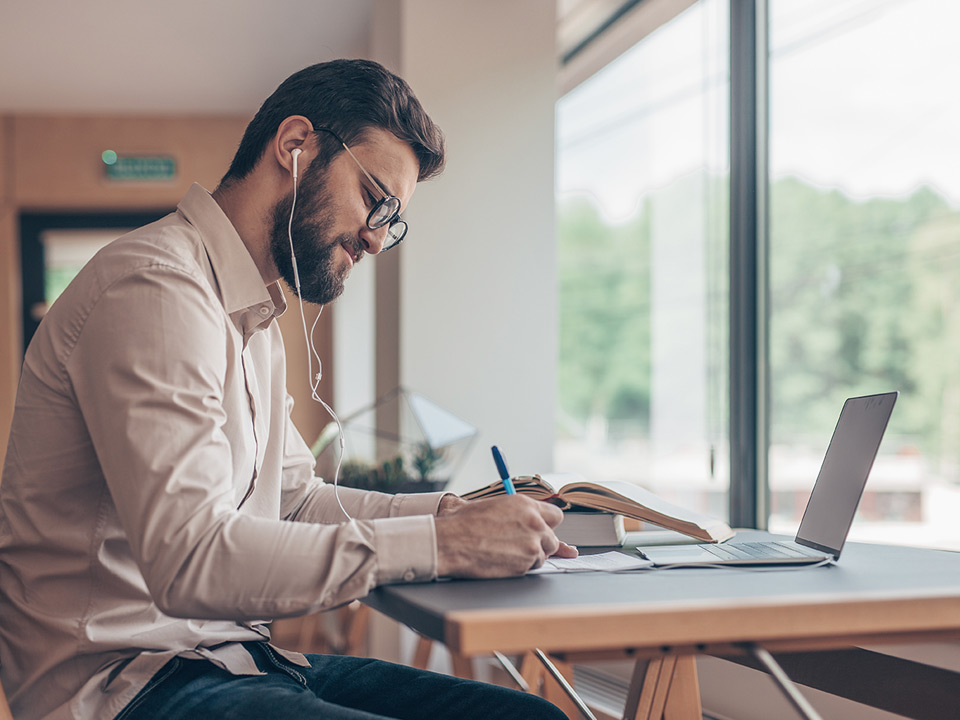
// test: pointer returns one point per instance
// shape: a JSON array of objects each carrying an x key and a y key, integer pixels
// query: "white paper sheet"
[{"x": 600, "y": 562}]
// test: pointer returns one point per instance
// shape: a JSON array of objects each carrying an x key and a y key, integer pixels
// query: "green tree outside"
[{"x": 864, "y": 298}]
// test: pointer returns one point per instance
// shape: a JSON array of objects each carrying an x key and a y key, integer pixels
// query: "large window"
[
  {"x": 642, "y": 203},
  {"x": 862, "y": 262},
  {"x": 865, "y": 252}
]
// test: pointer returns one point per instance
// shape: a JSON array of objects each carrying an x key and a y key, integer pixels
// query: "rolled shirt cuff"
[{"x": 406, "y": 549}]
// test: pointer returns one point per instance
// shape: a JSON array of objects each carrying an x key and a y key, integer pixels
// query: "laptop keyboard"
[{"x": 758, "y": 551}]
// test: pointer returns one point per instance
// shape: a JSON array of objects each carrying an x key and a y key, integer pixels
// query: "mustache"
[{"x": 352, "y": 246}]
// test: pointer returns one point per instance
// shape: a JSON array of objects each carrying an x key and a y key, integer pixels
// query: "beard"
[{"x": 321, "y": 281}]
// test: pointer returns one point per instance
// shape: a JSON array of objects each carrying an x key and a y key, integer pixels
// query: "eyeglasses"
[{"x": 386, "y": 211}]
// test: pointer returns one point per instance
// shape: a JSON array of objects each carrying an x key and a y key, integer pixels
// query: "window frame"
[{"x": 749, "y": 379}]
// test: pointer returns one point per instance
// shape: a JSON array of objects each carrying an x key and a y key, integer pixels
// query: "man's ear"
[{"x": 293, "y": 134}]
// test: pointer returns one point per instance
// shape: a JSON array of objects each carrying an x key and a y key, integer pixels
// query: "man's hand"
[{"x": 497, "y": 537}]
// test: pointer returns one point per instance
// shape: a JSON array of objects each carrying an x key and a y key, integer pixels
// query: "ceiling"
[
  {"x": 203, "y": 56},
  {"x": 166, "y": 56}
]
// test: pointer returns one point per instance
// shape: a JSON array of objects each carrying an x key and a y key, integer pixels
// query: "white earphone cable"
[{"x": 314, "y": 380}]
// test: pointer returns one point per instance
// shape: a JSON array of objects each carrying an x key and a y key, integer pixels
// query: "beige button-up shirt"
[{"x": 156, "y": 499}]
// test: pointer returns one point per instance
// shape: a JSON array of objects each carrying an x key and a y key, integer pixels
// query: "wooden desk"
[{"x": 875, "y": 594}]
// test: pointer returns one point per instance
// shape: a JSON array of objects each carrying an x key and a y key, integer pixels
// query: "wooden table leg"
[
  {"x": 421, "y": 656},
  {"x": 510, "y": 669},
  {"x": 532, "y": 671},
  {"x": 462, "y": 666},
  {"x": 559, "y": 690},
  {"x": 664, "y": 688},
  {"x": 683, "y": 701}
]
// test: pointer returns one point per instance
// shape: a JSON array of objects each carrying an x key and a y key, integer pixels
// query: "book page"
[
  {"x": 617, "y": 496},
  {"x": 643, "y": 497}
]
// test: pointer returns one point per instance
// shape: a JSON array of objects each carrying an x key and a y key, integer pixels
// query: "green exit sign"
[{"x": 139, "y": 168}]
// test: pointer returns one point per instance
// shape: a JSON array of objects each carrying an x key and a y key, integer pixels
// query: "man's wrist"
[{"x": 450, "y": 503}]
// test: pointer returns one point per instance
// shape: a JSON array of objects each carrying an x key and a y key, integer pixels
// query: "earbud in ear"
[{"x": 296, "y": 153}]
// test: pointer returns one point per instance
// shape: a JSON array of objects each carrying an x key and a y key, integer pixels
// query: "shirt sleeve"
[{"x": 147, "y": 371}]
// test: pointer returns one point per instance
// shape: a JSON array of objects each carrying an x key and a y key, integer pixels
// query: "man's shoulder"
[
  {"x": 171, "y": 242},
  {"x": 167, "y": 255}
]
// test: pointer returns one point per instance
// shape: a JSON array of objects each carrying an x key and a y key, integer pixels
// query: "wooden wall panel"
[{"x": 57, "y": 159}]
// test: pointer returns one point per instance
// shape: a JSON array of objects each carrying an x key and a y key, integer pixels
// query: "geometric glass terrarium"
[{"x": 402, "y": 442}]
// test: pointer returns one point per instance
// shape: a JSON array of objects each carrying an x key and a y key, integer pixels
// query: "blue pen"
[{"x": 502, "y": 469}]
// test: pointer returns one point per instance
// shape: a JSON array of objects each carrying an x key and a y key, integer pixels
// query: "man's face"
[{"x": 329, "y": 229}]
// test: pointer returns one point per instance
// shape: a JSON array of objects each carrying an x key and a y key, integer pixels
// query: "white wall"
[
  {"x": 465, "y": 310},
  {"x": 477, "y": 277}
]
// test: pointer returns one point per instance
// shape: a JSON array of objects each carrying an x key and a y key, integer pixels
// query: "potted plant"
[{"x": 392, "y": 476}]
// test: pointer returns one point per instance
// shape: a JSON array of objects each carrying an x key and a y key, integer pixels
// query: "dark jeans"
[{"x": 333, "y": 687}]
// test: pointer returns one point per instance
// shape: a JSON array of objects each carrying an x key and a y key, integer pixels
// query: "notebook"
[{"x": 830, "y": 509}]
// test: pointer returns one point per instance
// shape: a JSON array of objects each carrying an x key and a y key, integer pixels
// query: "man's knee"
[
  {"x": 516, "y": 705},
  {"x": 542, "y": 709}
]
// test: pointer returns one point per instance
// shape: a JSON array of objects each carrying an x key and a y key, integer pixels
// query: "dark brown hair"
[{"x": 348, "y": 97}]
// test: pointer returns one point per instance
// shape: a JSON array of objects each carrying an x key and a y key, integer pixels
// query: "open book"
[{"x": 567, "y": 490}]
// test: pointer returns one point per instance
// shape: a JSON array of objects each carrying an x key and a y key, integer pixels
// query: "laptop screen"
[{"x": 851, "y": 453}]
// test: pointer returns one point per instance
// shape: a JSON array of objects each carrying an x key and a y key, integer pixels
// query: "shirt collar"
[{"x": 242, "y": 290}]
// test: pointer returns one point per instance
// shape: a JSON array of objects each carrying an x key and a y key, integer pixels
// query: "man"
[{"x": 157, "y": 504}]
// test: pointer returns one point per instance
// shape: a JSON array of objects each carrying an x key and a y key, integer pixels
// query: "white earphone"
[{"x": 296, "y": 153}]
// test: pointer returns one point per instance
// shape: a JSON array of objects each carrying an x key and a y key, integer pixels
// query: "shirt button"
[
  {"x": 264, "y": 310},
  {"x": 409, "y": 575}
]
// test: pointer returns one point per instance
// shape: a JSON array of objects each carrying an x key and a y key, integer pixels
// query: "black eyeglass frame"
[{"x": 393, "y": 219}]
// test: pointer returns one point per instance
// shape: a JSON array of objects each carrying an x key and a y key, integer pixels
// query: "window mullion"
[{"x": 748, "y": 263}]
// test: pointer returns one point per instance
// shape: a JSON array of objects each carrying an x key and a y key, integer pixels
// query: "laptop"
[{"x": 830, "y": 509}]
